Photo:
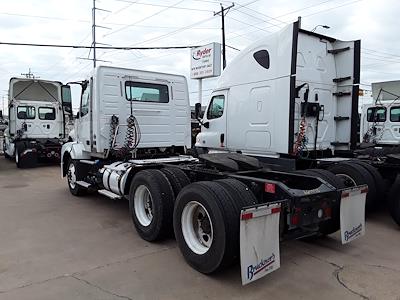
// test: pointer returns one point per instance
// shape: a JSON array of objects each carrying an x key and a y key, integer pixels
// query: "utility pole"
[
  {"x": 94, "y": 32},
  {"x": 223, "y": 12},
  {"x": 94, "y": 43},
  {"x": 29, "y": 75}
]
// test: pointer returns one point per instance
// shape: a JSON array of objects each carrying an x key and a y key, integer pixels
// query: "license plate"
[{"x": 259, "y": 241}]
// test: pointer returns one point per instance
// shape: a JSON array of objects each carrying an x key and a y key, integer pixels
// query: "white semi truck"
[
  {"x": 291, "y": 100},
  {"x": 380, "y": 136},
  {"x": 132, "y": 136},
  {"x": 37, "y": 117}
]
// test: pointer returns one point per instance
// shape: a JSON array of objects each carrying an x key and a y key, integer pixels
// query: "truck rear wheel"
[
  {"x": 24, "y": 160},
  {"x": 177, "y": 178},
  {"x": 73, "y": 177},
  {"x": 206, "y": 225},
  {"x": 378, "y": 179},
  {"x": 353, "y": 174},
  {"x": 394, "y": 200},
  {"x": 151, "y": 204}
]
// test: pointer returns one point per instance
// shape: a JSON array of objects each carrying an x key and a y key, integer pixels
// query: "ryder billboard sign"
[{"x": 205, "y": 61}]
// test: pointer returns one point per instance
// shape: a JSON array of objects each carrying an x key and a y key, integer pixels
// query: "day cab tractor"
[
  {"x": 37, "y": 111},
  {"x": 380, "y": 136},
  {"x": 133, "y": 134}
]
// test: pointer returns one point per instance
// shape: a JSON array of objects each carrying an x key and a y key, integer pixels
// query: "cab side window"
[
  {"x": 376, "y": 114},
  {"x": 85, "y": 100},
  {"x": 216, "y": 107},
  {"x": 395, "y": 114}
]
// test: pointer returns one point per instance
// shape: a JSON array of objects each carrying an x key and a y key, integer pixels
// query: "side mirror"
[
  {"x": 66, "y": 98},
  {"x": 197, "y": 110}
]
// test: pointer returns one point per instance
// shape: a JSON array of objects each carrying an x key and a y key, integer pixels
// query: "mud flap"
[
  {"x": 259, "y": 241},
  {"x": 352, "y": 213}
]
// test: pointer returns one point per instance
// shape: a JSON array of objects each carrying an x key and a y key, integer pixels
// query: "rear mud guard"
[
  {"x": 352, "y": 213},
  {"x": 259, "y": 241}
]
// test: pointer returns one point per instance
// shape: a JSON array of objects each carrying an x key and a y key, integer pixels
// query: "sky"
[{"x": 182, "y": 23}]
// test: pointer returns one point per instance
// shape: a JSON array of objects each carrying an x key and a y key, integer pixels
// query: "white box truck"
[{"x": 37, "y": 112}]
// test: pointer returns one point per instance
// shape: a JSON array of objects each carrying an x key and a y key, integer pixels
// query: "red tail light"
[
  {"x": 270, "y": 188},
  {"x": 328, "y": 211},
  {"x": 295, "y": 219},
  {"x": 247, "y": 216}
]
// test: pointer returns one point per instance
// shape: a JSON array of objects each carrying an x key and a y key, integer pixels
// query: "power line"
[
  {"x": 167, "y": 6},
  {"x": 144, "y": 19},
  {"x": 98, "y": 47},
  {"x": 180, "y": 29},
  {"x": 272, "y": 18},
  {"x": 331, "y": 8},
  {"x": 254, "y": 17},
  {"x": 105, "y": 23},
  {"x": 381, "y": 52},
  {"x": 292, "y": 12}
]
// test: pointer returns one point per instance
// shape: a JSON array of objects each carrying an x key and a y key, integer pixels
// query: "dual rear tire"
[
  {"x": 204, "y": 216},
  {"x": 206, "y": 223},
  {"x": 25, "y": 159},
  {"x": 394, "y": 200},
  {"x": 354, "y": 173}
]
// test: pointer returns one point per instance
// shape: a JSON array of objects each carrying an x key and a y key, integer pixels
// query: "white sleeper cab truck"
[
  {"x": 132, "y": 135},
  {"x": 36, "y": 127},
  {"x": 291, "y": 100}
]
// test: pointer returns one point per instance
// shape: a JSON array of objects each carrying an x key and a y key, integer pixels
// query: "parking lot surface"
[{"x": 57, "y": 246}]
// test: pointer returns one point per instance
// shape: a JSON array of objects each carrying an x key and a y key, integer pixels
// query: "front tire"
[
  {"x": 18, "y": 150},
  {"x": 73, "y": 177}
]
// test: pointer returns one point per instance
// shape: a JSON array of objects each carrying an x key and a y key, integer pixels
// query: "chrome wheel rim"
[
  {"x": 71, "y": 176},
  {"x": 143, "y": 204},
  {"x": 197, "y": 228},
  {"x": 347, "y": 180}
]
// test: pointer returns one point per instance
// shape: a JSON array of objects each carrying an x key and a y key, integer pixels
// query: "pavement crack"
[
  {"x": 125, "y": 260},
  {"x": 100, "y": 288},
  {"x": 336, "y": 274},
  {"x": 34, "y": 283},
  {"x": 323, "y": 260},
  {"x": 75, "y": 274}
]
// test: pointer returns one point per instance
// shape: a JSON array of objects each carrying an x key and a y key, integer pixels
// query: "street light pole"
[{"x": 323, "y": 26}]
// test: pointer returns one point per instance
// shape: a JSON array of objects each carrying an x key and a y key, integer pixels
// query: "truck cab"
[
  {"x": 380, "y": 121},
  {"x": 294, "y": 92},
  {"x": 123, "y": 109},
  {"x": 36, "y": 126}
]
